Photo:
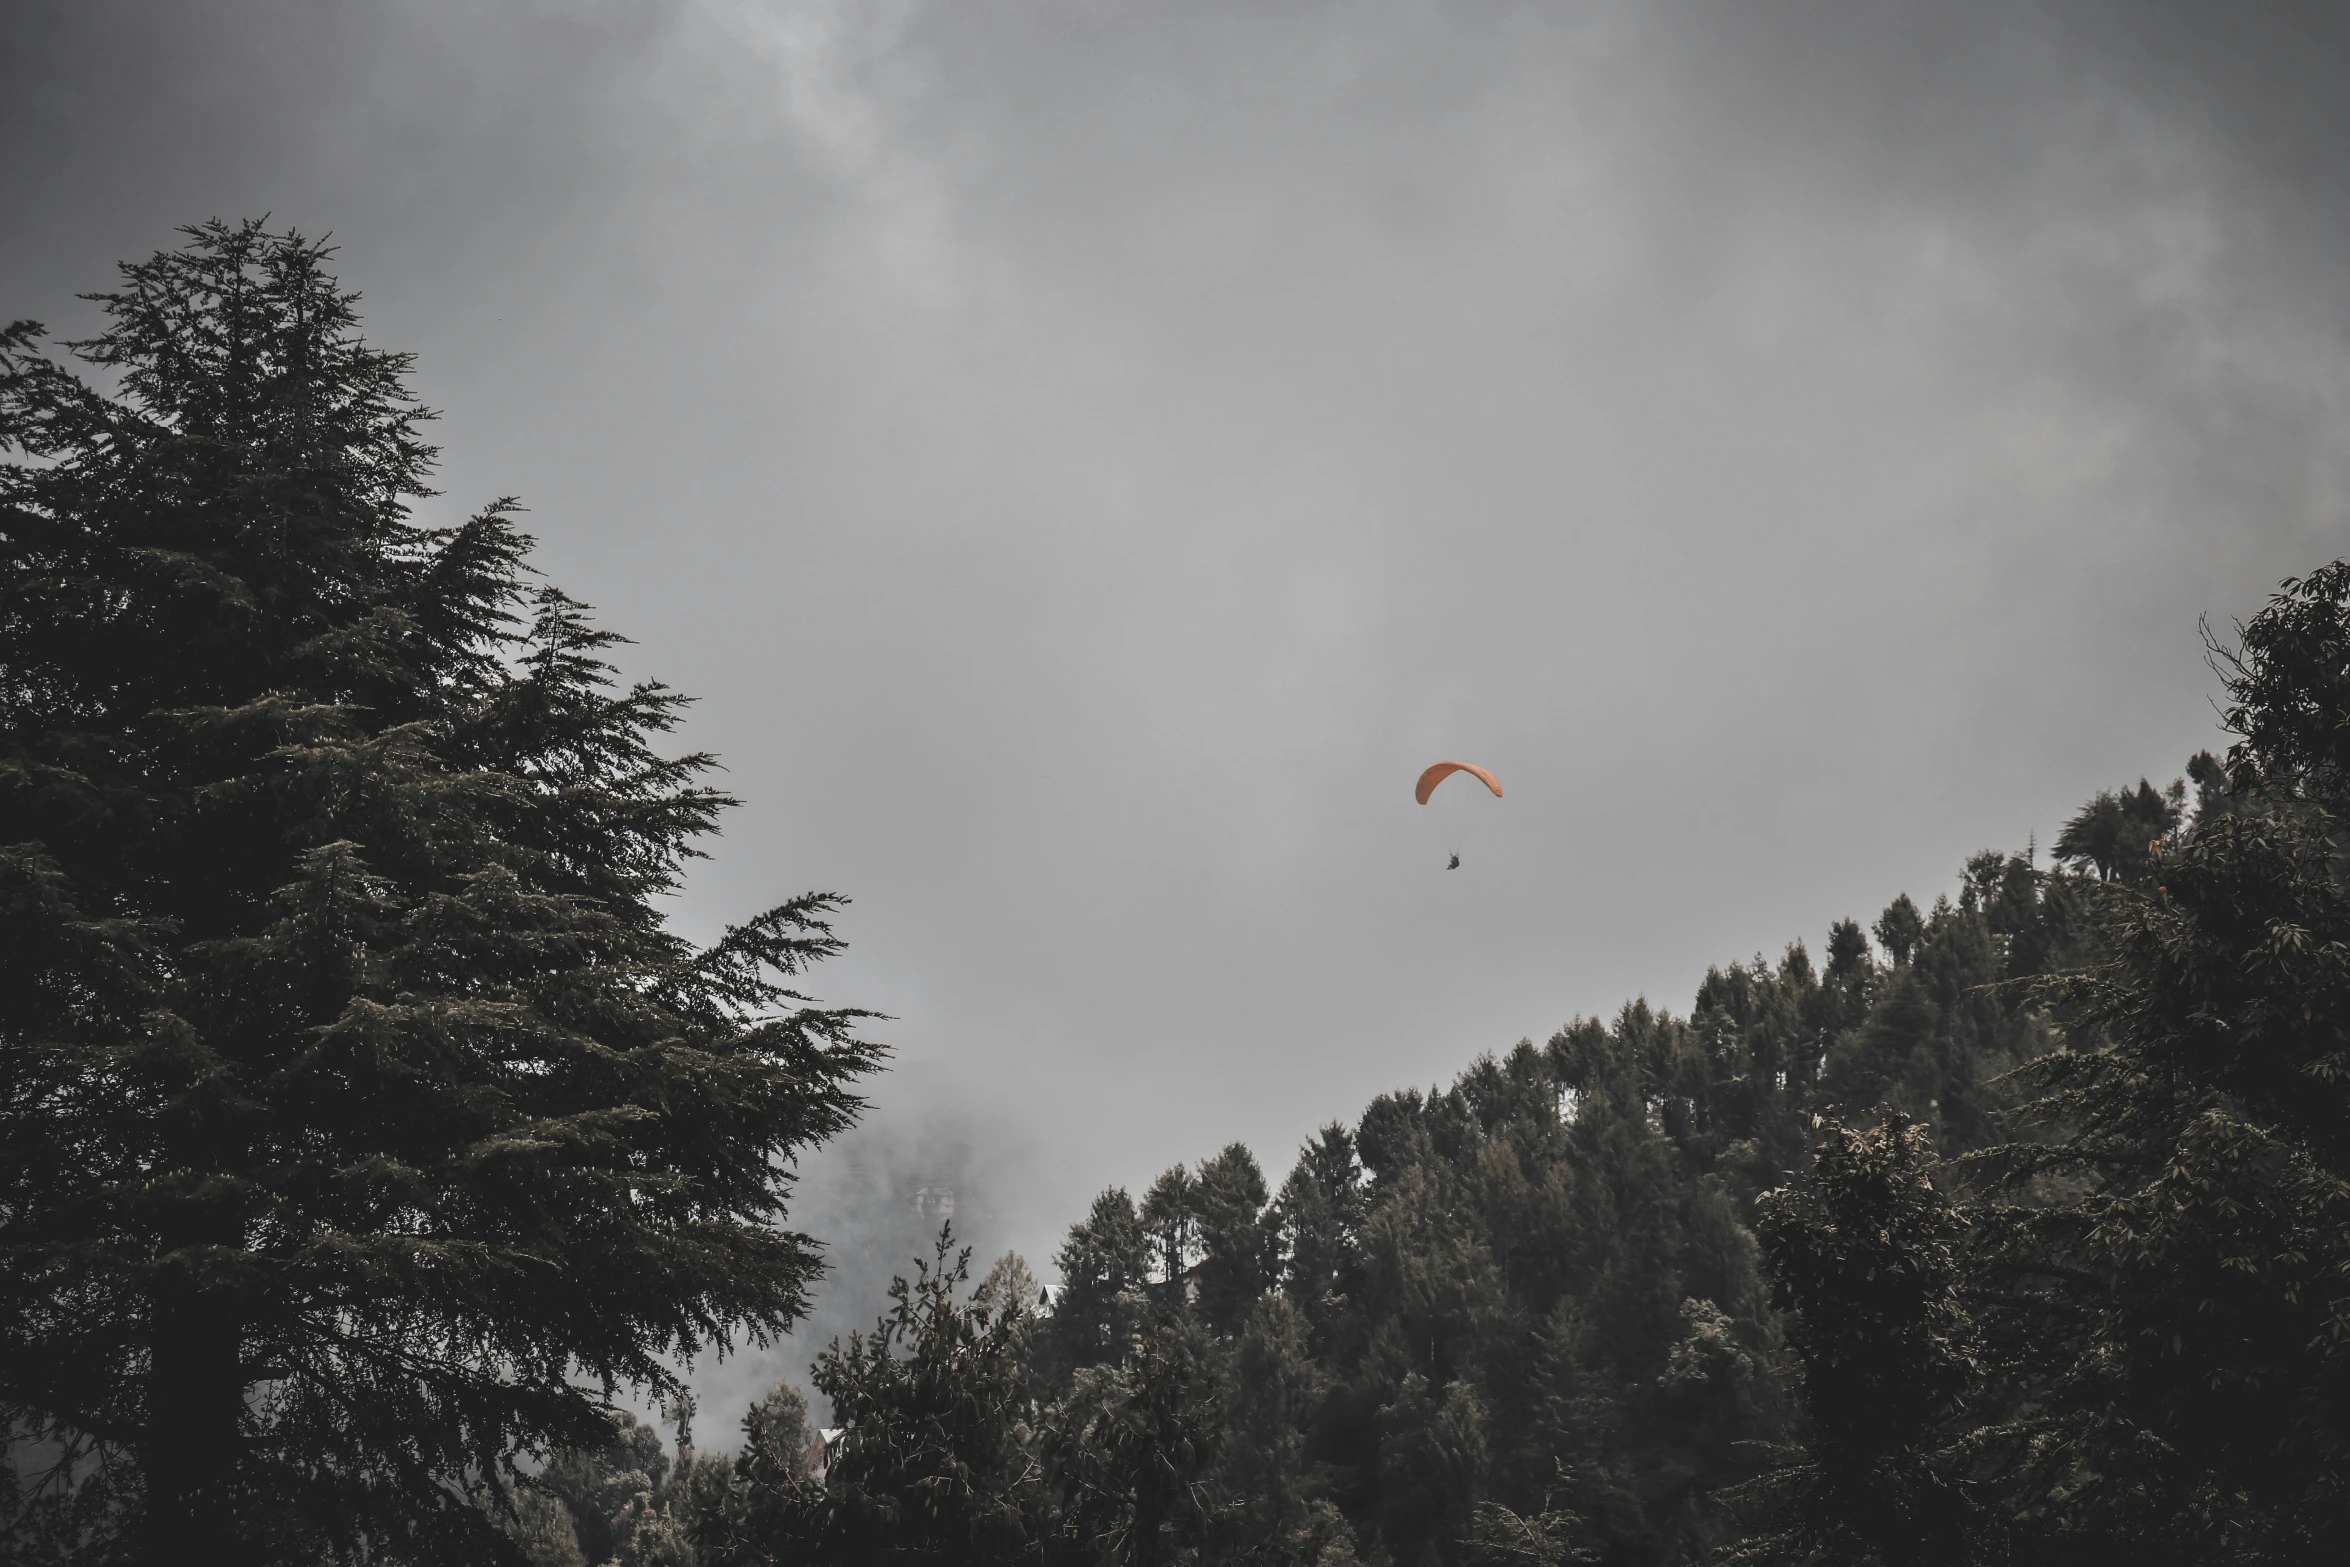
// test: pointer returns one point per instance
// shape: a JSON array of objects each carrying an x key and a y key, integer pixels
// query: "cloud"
[
  {"x": 1088, "y": 457},
  {"x": 833, "y": 68}
]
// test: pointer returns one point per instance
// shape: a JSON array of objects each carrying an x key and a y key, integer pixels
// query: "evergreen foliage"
[
  {"x": 359, "y": 1115},
  {"x": 362, "y": 1117},
  {"x": 1104, "y": 1267},
  {"x": 1664, "y": 1289},
  {"x": 934, "y": 1463},
  {"x": 1864, "y": 1255},
  {"x": 2168, "y": 1279},
  {"x": 1525, "y": 1318}
]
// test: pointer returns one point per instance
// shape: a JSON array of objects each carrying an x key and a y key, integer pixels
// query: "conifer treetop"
[{"x": 363, "y": 1124}]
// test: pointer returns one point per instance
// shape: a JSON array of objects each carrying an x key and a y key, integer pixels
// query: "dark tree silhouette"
[
  {"x": 355, "y": 1102},
  {"x": 2119, "y": 833},
  {"x": 2177, "y": 1318},
  {"x": 933, "y": 1463},
  {"x": 1864, "y": 1256}
]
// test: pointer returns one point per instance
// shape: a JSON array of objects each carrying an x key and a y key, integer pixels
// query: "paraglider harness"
[{"x": 1439, "y": 772}]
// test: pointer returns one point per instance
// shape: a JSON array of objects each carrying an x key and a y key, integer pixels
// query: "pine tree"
[
  {"x": 1105, "y": 1268},
  {"x": 1319, "y": 1216},
  {"x": 1864, "y": 1255},
  {"x": 1170, "y": 1217},
  {"x": 1275, "y": 1389},
  {"x": 355, "y": 1102},
  {"x": 1236, "y": 1238},
  {"x": 2169, "y": 1286},
  {"x": 1131, "y": 1446},
  {"x": 935, "y": 1461}
]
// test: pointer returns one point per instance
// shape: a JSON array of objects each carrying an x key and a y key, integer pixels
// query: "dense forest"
[
  {"x": 1523, "y": 1319},
  {"x": 367, "y": 1133}
]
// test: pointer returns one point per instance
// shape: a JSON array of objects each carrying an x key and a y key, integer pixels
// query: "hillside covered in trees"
[{"x": 1870, "y": 1256}]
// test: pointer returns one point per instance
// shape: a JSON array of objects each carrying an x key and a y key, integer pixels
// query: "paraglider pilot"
[{"x": 1440, "y": 772}]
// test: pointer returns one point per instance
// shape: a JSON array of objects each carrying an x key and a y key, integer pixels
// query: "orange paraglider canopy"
[{"x": 1443, "y": 770}]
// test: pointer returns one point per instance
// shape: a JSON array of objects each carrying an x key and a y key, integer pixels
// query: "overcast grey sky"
[{"x": 1088, "y": 456}]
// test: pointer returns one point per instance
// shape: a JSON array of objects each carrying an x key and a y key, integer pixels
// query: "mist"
[{"x": 879, "y": 1199}]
